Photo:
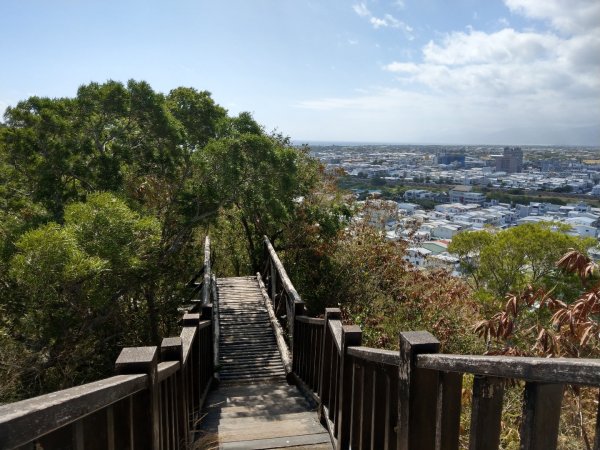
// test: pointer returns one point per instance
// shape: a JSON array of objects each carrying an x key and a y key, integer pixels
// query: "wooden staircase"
[
  {"x": 254, "y": 407},
  {"x": 247, "y": 349}
]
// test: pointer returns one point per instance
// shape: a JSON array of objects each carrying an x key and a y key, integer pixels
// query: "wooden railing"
[
  {"x": 411, "y": 399},
  {"x": 286, "y": 302},
  {"x": 154, "y": 401}
]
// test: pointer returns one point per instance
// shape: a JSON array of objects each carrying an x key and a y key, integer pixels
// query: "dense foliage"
[
  {"x": 104, "y": 199},
  {"x": 367, "y": 276}
]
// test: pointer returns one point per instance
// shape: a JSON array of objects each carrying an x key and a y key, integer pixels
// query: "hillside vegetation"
[{"x": 104, "y": 199}]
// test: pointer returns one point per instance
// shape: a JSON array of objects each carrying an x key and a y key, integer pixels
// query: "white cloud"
[
  {"x": 532, "y": 85},
  {"x": 378, "y": 23},
  {"x": 570, "y": 16},
  {"x": 387, "y": 21},
  {"x": 477, "y": 47},
  {"x": 361, "y": 9},
  {"x": 403, "y": 67}
]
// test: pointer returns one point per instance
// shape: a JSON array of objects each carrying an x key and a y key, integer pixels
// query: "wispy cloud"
[
  {"x": 542, "y": 85},
  {"x": 386, "y": 21},
  {"x": 361, "y": 9}
]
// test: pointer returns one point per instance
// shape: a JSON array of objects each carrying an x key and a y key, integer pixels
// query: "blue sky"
[{"x": 411, "y": 71}]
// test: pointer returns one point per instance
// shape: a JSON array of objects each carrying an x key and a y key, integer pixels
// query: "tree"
[
  {"x": 499, "y": 262},
  {"x": 74, "y": 288},
  {"x": 261, "y": 178}
]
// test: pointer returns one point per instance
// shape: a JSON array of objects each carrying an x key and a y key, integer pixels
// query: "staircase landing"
[{"x": 254, "y": 407}]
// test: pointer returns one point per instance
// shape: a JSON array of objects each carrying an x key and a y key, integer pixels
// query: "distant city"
[{"x": 425, "y": 195}]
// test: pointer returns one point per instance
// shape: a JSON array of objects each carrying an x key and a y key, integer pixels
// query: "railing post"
[
  {"x": 486, "y": 413},
  {"x": 273, "y": 282},
  {"x": 207, "y": 312},
  {"x": 171, "y": 349},
  {"x": 351, "y": 336},
  {"x": 417, "y": 393},
  {"x": 207, "y": 271},
  {"x": 326, "y": 356},
  {"x": 298, "y": 310},
  {"x": 145, "y": 414},
  {"x": 216, "y": 325},
  {"x": 193, "y": 381},
  {"x": 541, "y": 416}
]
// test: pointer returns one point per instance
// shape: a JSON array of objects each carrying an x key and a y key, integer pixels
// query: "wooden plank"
[
  {"x": 335, "y": 326},
  {"x": 298, "y": 442},
  {"x": 285, "y": 280},
  {"x": 326, "y": 358},
  {"x": 356, "y": 410},
  {"x": 417, "y": 393},
  {"x": 367, "y": 407},
  {"x": 541, "y": 415},
  {"x": 310, "y": 320},
  {"x": 284, "y": 352},
  {"x": 447, "y": 430},
  {"x": 351, "y": 335},
  {"x": 167, "y": 369},
  {"x": 486, "y": 413},
  {"x": 391, "y": 413},
  {"x": 22, "y": 422},
  {"x": 380, "y": 390},
  {"x": 543, "y": 370},
  {"x": 375, "y": 355},
  {"x": 206, "y": 287},
  {"x": 144, "y": 360}
]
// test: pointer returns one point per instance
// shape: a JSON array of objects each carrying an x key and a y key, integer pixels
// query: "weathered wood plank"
[
  {"x": 22, "y": 422},
  {"x": 375, "y": 355},
  {"x": 417, "y": 393},
  {"x": 351, "y": 335},
  {"x": 541, "y": 414},
  {"x": 543, "y": 370},
  {"x": 284, "y": 352},
  {"x": 147, "y": 420},
  {"x": 486, "y": 413}
]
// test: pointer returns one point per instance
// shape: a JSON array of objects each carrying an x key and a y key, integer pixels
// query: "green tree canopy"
[{"x": 506, "y": 261}]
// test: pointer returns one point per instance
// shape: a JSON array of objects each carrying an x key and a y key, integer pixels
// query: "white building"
[{"x": 464, "y": 194}]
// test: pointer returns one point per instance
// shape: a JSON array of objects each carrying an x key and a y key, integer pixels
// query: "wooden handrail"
[
  {"x": 285, "y": 280},
  {"x": 154, "y": 402},
  {"x": 166, "y": 369},
  {"x": 375, "y": 355},
  {"x": 276, "y": 275},
  {"x": 284, "y": 352},
  {"x": 23, "y": 421},
  {"x": 310, "y": 320},
  {"x": 336, "y": 333},
  {"x": 542, "y": 370},
  {"x": 411, "y": 399}
]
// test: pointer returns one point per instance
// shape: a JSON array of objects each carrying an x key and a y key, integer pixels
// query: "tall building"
[
  {"x": 455, "y": 159},
  {"x": 511, "y": 160}
]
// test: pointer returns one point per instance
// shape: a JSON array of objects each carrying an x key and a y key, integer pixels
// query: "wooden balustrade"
[
  {"x": 285, "y": 300},
  {"x": 154, "y": 401},
  {"x": 378, "y": 399},
  {"x": 381, "y": 399},
  {"x": 307, "y": 350}
]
